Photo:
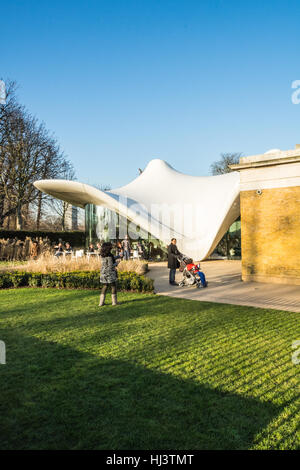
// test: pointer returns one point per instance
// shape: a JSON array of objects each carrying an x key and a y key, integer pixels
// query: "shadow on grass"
[{"x": 56, "y": 397}]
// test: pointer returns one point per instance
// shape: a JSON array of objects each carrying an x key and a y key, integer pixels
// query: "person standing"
[
  {"x": 126, "y": 247},
  {"x": 141, "y": 249},
  {"x": 119, "y": 249},
  {"x": 108, "y": 273},
  {"x": 173, "y": 262}
]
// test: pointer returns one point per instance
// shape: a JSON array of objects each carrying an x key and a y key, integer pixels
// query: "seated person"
[
  {"x": 69, "y": 250},
  {"x": 91, "y": 250},
  {"x": 98, "y": 248},
  {"x": 59, "y": 250},
  {"x": 195, "y": 268}
]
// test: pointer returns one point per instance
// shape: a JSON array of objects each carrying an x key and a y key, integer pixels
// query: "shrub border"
[{"x": 127, "y": 280}]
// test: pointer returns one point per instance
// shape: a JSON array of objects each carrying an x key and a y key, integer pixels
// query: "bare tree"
[
  {"x": 20, "y": 154},
  {"x": 222, "y": 166},
  {"x": 27, "y": 153},
  {"x": 6, "y": 110},
  {"x": 52, "y": 166},
  {"x": 57, "y": 206}
]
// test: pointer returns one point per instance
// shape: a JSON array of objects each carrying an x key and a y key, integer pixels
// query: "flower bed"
[{"x": 127, "y": 281}]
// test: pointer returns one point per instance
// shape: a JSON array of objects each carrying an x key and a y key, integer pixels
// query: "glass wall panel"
[{"x": 102, "y": 224}]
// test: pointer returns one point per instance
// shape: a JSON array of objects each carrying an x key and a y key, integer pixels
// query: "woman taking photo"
[{"x": 108, "y": 273}]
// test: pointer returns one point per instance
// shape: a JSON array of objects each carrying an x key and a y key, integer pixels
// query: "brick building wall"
[{"x": 271, "y": 235}]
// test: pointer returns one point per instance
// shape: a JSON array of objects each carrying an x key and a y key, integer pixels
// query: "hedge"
[
  {"x": 127, "y": 281},
  {"x": 75, "y": 237}
]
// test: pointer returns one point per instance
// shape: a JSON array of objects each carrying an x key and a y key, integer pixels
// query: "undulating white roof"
[{"x": 197, "y": 210}]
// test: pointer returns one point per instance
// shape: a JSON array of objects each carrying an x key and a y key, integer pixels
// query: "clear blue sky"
[{"x": 121, "y": 82}]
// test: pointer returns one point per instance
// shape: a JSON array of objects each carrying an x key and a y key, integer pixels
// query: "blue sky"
[{"x": 120, "y": 82}]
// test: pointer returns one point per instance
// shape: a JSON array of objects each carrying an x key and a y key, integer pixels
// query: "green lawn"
[{"x": 153, "y": 373}]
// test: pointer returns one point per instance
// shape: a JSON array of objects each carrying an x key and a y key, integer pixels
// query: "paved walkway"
[{"x": 226, "y": 286}]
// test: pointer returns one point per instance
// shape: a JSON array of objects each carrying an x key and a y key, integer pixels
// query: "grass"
[{"x": 153, "y": 373}]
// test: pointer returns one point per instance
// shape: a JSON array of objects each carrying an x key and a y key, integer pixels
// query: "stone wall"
[{"x": 271, "y": 235}]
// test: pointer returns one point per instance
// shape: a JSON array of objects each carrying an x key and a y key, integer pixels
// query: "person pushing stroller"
[{"x": 173, "y": 263}]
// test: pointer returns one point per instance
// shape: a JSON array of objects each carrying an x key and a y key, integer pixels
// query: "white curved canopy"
[{"x": 196, "y": 210}]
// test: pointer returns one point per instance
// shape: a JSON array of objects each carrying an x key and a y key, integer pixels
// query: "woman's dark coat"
[{"x": 173, "y": 252}]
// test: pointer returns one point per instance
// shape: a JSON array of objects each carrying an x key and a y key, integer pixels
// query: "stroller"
[{"x": 191, "y": 273}]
